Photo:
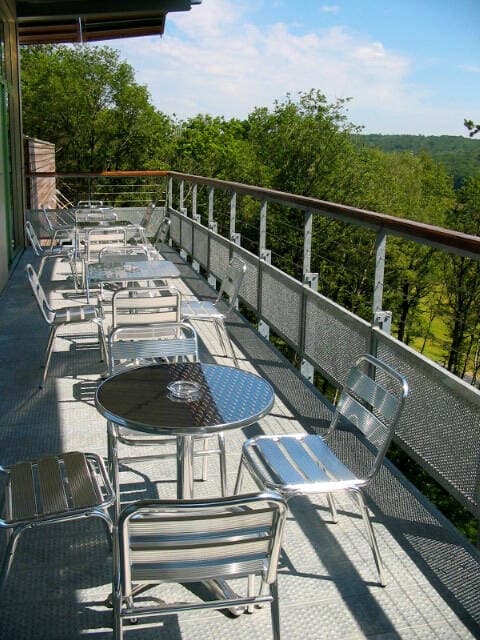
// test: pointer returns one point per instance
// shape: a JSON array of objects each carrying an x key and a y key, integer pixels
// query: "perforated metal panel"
[
  {"x": 187, "y": 234},
  {"x": 219, "y": 255},
  {"x": 334, "y": 337},
  {"x": 440, "y": 422},
  {"x": 249, "y": 288},
  {"x": 175, "y": 226},
  {"x": 281, "y": 304},
  {"x": 200, "y": 245}
]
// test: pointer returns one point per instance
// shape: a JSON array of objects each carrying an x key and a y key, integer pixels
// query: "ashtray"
[
  {"x": 184, "y": 389},
  {"x": 130, "y": 267}
]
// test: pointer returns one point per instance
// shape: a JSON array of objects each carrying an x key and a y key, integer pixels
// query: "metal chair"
[
  {"x": 57, "y": 318},
  {"x": 53, "y": 489},
  {"x": 115, "y": 257},
  {"x": 190, "y": 541},
  {"x": 161, "y": 236},
  {"x": 148, "y": 344},
  {"x": 95, "y": 216},
  {"x": 145, "y": 305},
  {"x": 55, "y": 252},
  {"x": 206, "y": 310},
  {"x": 371, "y": 402},
  {"x": 63, "y": 233}
]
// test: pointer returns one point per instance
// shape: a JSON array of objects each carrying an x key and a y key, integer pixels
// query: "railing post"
[
  {"x": 170, "y": 194},
  {"x": 197, "y": 218},
  {"x": 310, "y": 280},
  {"x": 234, "y": 237},
  {"x": 381, "y": 318},
  {"x": 212, "y": 226},
  {"x": 181, "y": 204},
  {"x": 265, "y": 255}
]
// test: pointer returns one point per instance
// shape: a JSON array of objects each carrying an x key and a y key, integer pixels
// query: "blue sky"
[{"x": 408, "y": 66}]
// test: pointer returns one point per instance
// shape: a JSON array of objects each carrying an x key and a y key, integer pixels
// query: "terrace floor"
[{"x": 327, "y": 582}]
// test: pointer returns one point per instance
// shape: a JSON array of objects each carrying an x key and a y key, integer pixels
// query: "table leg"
[{"x": 184, "y": 467}]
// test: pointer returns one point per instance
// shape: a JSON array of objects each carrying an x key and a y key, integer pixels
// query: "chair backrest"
[
  {"x": 115, "y": 256},
  {"x": 232, "y": 281},
  {"x": 46, "y": 310},
  {"x": 90, "y": 204},
  {"x": 192, "y": 540},
  {"x": 95, "y": 217},
  {"x": 163, "y": 230},
  {"x": 141, "y": 344},
  {"x": 147, "y": 216},
  {"x": 101, "y": 237},
  {"x": 372, "y": 399},
  {"x": 146, "y": 305},
  {"x": 33, "y": 238}
]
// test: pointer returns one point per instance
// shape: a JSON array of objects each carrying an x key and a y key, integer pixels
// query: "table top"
[
  {"x": 228, "y": 398},
  {"x": 132, "y": 271}
]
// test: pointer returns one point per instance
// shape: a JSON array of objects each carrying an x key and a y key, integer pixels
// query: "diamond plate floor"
[{"x": 328, "y": 590}]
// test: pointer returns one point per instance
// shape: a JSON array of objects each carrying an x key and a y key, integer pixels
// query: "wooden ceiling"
[{"x": 77, "y": 21}]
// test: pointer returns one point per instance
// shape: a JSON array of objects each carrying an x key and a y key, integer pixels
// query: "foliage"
[
  {"x": 85, "y": 100},
  {"x": 460, "y": 156}
]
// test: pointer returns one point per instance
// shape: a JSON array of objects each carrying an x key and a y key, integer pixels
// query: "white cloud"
[
  {"x": 470, "y": 67},
  {"x": 215, "y": 60}
]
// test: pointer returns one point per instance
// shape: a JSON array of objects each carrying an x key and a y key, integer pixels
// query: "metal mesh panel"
[
  {"x": 334, "y": 337},
  {"x": 187, "y": 234},
  {"x": 174, "y": 226},
  {"x": 249, "y": 288},
  {"x": 219, "y": 256},
  {"x": 200, "y": 245},
  {"x": 440, "y": 423},
  {"x": 282, "y": 304}
]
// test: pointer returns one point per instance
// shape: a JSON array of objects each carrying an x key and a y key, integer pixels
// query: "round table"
[{"x": 227, "y": 398}]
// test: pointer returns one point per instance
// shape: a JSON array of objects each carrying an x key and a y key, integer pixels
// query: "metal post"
[
  {"x": 181, "y": 206},
  {"x": 381, "y": 318},
  {"x": 234, "y": 237},
  {"x": 170, "y": 194},
  {"x": 196, "y": 216},
  {"x": 310, "y": 280},
  {"x": 212, "y": 226},
  {"x": 266, "y": 256}
]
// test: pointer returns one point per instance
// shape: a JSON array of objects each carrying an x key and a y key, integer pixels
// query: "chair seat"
[
  {"x": 55, "y": 486},
  {"x": 301, "y": 463},
  {"x": 200, "y": 309},
  {"x": 75, "y": 314}
]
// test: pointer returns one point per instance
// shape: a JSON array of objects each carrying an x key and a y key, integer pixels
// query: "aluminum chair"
[
  {"x": 115, "y": 257},
  {"x": 148, "y": 344},
  {"x": 189, "y": 541},
  {"x": 140, "y": 235},
  {"x": 206, "y": 310},
  {"x": 99, "y": 238},
  {"x": 95, "y": 216},
  {"x": 370, "y": 403},
  {"x": 161, "y": 236},
  {"x": 55, "y": 252},
  {"x": 57, "y": 318},
  {"x": 145, "y": 305},
  {"x": 53, "y": 489},
  {"x": 64, "y": 233}
]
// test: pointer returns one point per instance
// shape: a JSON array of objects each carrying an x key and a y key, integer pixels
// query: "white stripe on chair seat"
[{"x": 75, "y": 314}]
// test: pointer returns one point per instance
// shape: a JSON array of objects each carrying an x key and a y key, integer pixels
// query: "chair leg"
[
  {"x": 48, "y": 353},
  {"x": 226, "y": 342},
  {"x": 275, "y": 611},
  {"x": 372, "y": 540},
  {"x": 113, "y": 466},
  {"x": 9, "y": 553},
  {"x": 332, "y": 507},
  {"x": 223, "y": 464},
  {"x": 239, "y": 481}
]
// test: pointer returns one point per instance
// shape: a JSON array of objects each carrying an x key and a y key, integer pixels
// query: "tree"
[{"x": 86, "y": 101}]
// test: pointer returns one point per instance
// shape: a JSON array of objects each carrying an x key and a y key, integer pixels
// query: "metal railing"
[{"x": 440, "y": 424}]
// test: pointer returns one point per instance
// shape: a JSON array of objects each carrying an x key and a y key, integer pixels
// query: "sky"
[{"x": 408, "y": 66}]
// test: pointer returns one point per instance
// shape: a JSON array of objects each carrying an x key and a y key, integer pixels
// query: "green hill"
[{"x": 461, "y": 156}]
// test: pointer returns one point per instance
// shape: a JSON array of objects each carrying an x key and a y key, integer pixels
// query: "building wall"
[
  {"x": 40, "y": 156},
  {"x": 12, "y": 239}
]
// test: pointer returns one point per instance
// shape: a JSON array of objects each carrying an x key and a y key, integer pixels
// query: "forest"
[
  {"x": 86, "y": 101},
  {"x": 460, "y": 156}
]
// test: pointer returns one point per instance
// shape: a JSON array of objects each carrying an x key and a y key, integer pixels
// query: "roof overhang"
[{"x": 69, "y": 21}]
